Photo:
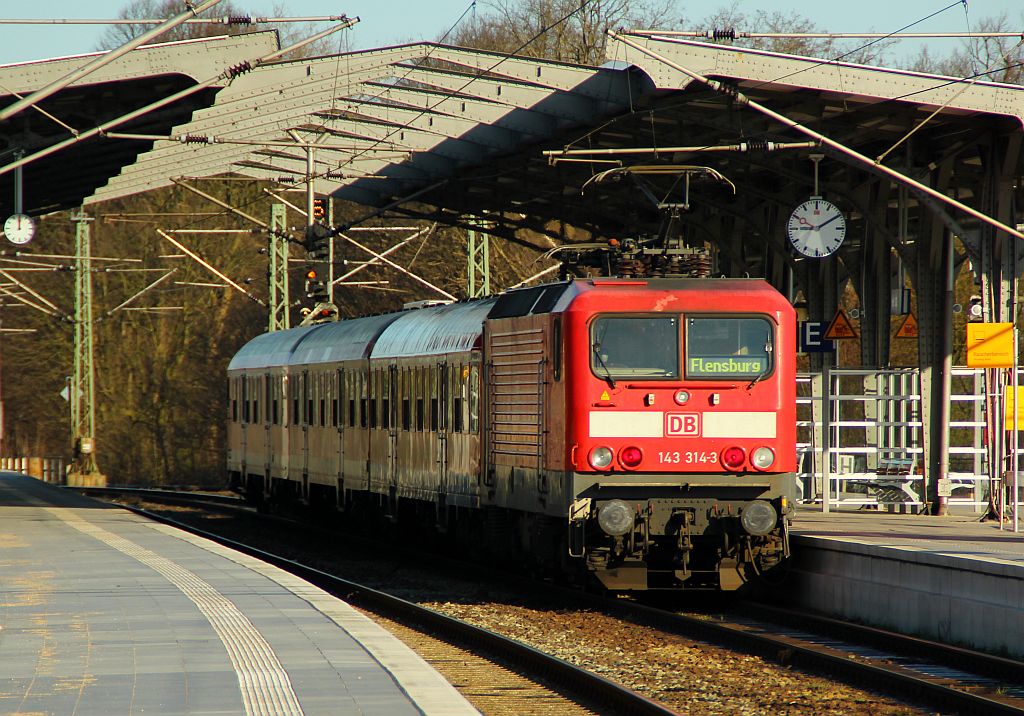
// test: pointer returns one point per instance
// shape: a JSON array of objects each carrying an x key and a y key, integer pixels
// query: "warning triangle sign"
[
  {"x": 840, "y": 327},
  {"x": 907, "y": 329}
]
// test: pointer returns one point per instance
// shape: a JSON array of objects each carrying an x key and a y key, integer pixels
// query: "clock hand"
[{"x": 828, "y": 221}]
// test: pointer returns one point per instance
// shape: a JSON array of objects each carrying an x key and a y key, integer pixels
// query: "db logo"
[{"x": 682, "y": 423}]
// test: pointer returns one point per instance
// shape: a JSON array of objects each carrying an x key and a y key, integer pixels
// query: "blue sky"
[{"x": 392, "y": 21}]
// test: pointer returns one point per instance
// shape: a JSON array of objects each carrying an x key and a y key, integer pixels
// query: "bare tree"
[
  {"x": 996, "y": 59},
  {"x": 117, "y": 35},
  {"x": 563, "y": 30},
  {"x": 731, "y": 17}
]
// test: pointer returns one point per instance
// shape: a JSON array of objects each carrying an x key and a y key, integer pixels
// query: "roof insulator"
[
  {"x": 728, "y": 33},
  {"x": 240, "y": 69},
  {"x": 239, "y": 20}
]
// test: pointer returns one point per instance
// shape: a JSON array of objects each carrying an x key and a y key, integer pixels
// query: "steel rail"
[
  {"x": 808, "y": 653},
  {"x": 558, "y": 674}
]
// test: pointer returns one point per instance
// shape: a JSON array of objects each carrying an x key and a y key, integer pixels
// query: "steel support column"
[
  {"x": 478, "y": 269},
  {"x": 934, "y": 288},
  {"x": 84, "y": 471},
  {"x": 277, "y": 273}
]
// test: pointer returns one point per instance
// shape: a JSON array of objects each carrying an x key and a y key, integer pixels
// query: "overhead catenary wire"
[
  {"x": 818, "y": 63},
  {"x": 842, "y": 149},
  {"x": 228, "y": 20},
  {"x": 732, "y": 34}
]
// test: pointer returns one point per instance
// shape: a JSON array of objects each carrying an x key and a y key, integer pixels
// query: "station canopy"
[{"x": 462, "y": 132}]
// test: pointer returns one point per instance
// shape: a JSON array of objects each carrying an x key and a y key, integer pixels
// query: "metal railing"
[
  {"x": 860, "y": 439},
  {"x": 47, "y": 469}
]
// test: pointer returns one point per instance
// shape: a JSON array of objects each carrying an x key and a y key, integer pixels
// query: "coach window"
[
  {"x": 335, "y": 402},
  {"x": 434, "y": 389},
  {"x": 307, "y": 398},
  {"x": 233, "y": 394},
  {"x": 406, "y": 390},
  {"x": 385, "y": 398},
  {"x": 351, "y": 410},
  {"x": 256, "y": 400},
  {"x": 474, "y": 399},
  {"x": 374, "y": 392},
  {"x": 419, "y": 398},
  {"x": 294, "y": 418},
  {"x": 734, "y": 347},
  {"x": 635, "y": 347},
  {"x": 321, "y": 391},
  {"x": 459, "y": 374}
]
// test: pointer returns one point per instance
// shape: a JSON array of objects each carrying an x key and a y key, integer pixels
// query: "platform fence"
[
  {"x": 47, "y": 469},
  {"x": 860, "y": 440}
]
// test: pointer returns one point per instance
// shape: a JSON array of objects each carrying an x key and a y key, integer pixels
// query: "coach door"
[
  {"x": 439, "y": 423},
  {"x": 389, "y": 414},
  {"x": 267, "y": 417},
  {"x": 338, "y": 421},
  {"x": 244, "y": 432}
]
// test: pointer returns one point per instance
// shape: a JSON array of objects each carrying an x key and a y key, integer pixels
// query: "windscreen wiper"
[{"x": 608, "y": 373}]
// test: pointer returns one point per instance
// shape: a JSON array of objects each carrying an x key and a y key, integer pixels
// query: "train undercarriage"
[{"x": 659, "y": 543}]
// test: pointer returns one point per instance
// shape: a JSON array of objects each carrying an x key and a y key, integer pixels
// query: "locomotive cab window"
[
  {"x": 729, "y": 347},
  {"x": 635, "y": 347}
]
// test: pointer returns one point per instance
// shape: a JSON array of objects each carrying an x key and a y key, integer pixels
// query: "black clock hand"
[{"x": 819, "y": 227}]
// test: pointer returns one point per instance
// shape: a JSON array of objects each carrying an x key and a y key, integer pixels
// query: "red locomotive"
[{"x": 640, "y": 429}]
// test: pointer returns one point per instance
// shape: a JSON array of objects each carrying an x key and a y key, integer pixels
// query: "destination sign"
[{"x": 726, "y": 365}]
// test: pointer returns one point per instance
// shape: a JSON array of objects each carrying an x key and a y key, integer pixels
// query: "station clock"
[
  {"x": 816, "y": 228},
  {"x": 19, "y": 229}
]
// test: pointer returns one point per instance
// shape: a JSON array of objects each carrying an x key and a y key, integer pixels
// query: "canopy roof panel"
[
  {"x": 420, "y": 112},
  {"x": 135, "y": 80}
]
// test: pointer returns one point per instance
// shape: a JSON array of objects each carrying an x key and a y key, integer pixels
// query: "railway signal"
[{"x": 318, "y": 252}]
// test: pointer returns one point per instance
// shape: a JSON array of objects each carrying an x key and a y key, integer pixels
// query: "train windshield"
[
  {"x": 725, "y": 347},
  {"x": 635, "y": 347}
]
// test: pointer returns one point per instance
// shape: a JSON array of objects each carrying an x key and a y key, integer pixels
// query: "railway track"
[{"x": 950, "y": 679}]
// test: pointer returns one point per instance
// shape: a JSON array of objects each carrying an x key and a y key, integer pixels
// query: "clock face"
[
  {"x": 19, "y": 229},
  {"x": 816, "y": 228}
]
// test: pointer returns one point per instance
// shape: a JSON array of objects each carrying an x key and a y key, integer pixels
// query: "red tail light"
[
  {"x": 631, "y": 457},
  {"x": 733, "y": 457}
]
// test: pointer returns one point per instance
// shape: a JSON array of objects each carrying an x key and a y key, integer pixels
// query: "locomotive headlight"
[
  {"x": 759, "y": 517},
  {"x": 615, "y": 518},
  {"x": 601, "y": 457},
  {"x": 762, "y": 458},
  {"x": 682, "y": 397}
]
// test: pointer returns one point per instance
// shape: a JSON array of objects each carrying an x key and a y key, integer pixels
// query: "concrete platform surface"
[
  {"x": 956, "y": 536},
  {"x": 105, "y": 612}
]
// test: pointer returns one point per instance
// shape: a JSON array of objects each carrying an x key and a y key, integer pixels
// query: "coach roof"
[
  {"x": 436, "y": 330},
  {"x": 269, "y": 349}
]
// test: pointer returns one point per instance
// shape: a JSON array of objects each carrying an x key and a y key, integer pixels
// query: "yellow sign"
[
  {"x": 908, "y": 329},
  {"x": 990, "y": 345},
  {"x": 1008, "y": 409},
  {"x": 605, "y": 396},
  {"x": 840, "y": 327}
]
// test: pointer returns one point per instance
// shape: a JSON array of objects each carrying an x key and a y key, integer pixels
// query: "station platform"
[
  {"x": 105, "y": 612},
  {"x": 952, "y": 579}
]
